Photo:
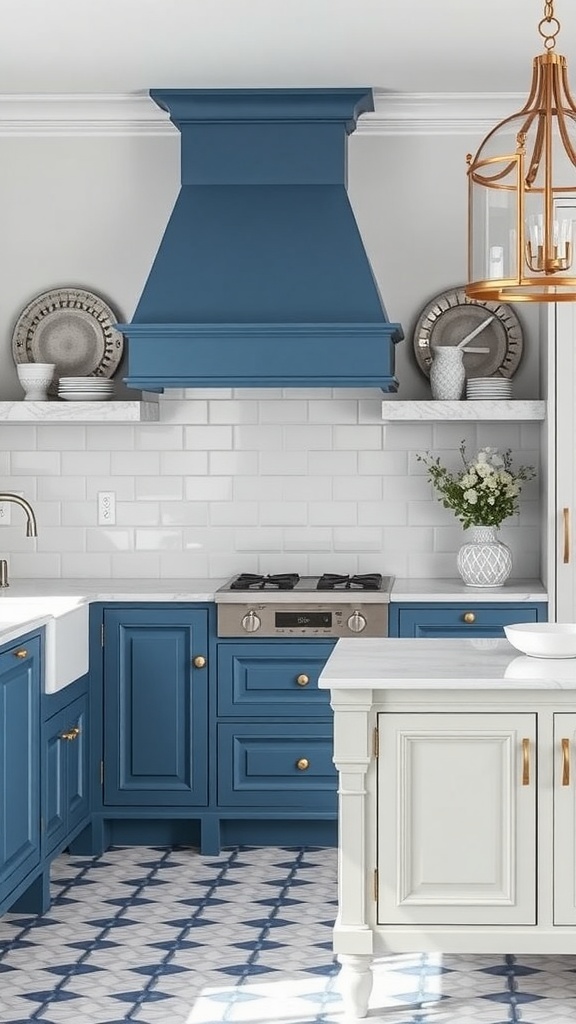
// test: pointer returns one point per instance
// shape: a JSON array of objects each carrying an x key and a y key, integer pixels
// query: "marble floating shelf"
[
  {"x": 418, "y": 412},
  {"x": 145, "y": 411}
]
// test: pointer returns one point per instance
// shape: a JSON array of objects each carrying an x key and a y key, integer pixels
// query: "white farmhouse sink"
[{"x": 65, "y": 620}]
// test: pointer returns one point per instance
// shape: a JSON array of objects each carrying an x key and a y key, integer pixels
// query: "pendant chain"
[{"x": 549, "y": 27}]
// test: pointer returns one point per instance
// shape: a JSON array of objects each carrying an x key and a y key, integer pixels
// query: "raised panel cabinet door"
[
  {"x": 564, "y": 760},
  {"x": 457, "y": 819},
  {"x": 279, "y": 678},
  {"x": 19, "y": 762},
  {"x": 444, "y": 619},
  {"x": 155, "y": 716},
  {"x": 65, "y": 801},
  {"x": 561, "y": 433}
]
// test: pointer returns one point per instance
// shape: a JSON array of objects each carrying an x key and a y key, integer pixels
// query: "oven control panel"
[{"x": 282, "y": 620}]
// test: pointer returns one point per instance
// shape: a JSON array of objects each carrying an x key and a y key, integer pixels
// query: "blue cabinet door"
[
  {"x": 279, "y": 678},
  {"x": 156, "y": 701},
  {"x": 19, "y": 762},
  {"x": 450, "y": 619},
  {"x": 65, "y": 802}
]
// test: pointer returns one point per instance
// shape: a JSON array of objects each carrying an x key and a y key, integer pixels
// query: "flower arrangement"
[{"x": 485, "y": 491}]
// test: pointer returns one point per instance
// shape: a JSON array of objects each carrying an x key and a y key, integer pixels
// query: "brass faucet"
[{"x": 31, "y": 530}]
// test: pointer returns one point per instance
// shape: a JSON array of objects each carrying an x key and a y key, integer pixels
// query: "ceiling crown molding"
[
  {"x": 439, "y": 113},
  {"x": 46, "y": 114}
]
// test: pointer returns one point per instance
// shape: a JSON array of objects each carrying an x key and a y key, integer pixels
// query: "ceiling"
[{"x": 415, "y": 46}]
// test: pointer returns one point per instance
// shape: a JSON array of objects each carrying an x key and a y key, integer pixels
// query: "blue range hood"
[{"x": 261, "y": 278}]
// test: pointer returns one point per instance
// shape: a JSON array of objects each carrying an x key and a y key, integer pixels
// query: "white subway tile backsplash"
[
  {"x": 158, "y": 540},
  {"x": 305, "y": 480},
  {"x": 357, "y": 540},
  {"x": 157, "y": 437},
  {"x": 61, "y": 539},
  {"x": 232, "y": 411},
  {"x": 107, "y": 437},
  {"x": 283, "y": 463},
  {"x": 359, "y": 438},
  {"x": 73, "y": 463},
  {"x": 37, "y": 463},
  {"x": 307, "y": 438},
  {"x": 283, "y": 513},
  {"x": 151, "y": 488},
  {"x": 208, "y": 488},
  {"x": 207, "y": 438},
  {"x": 135, "y": 463}
]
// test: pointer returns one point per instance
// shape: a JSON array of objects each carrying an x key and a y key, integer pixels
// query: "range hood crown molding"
[{"x": 261, "y": 278}]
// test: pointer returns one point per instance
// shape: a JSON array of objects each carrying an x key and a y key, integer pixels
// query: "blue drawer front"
[
  {"x": 257, "y": 765},
  {"x": 448, "y": 620},
  {"x": 262, "y": 679}
]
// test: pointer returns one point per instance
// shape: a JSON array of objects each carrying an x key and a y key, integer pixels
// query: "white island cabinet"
[{"x": 457, "y": 801}]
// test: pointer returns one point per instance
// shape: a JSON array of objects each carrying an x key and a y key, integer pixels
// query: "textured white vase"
[
  {"x": 484, "y": 561},
  {"x": 447, "y": 373}
]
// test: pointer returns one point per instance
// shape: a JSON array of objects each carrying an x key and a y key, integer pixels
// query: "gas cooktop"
[{"x": 293, "y": 588}]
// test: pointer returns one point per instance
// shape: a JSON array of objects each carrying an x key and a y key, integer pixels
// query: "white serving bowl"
[{"x": 543, "y": 639}]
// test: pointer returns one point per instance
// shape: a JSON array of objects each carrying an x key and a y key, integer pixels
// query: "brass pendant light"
[{"x": 522, "y": 192}]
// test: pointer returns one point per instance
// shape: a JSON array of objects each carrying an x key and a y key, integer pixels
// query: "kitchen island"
[{"x": 457, "y": 806}]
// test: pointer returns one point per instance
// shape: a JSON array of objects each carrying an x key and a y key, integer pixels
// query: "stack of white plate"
[
  {"x": 85, "y": 389},
  {"x": 482, "y": 388}
]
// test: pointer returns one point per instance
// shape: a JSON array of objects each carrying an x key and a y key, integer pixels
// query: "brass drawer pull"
[
  {"x": 469, "y": 617},
  {"x": 566, "y": 523},
  {"x": 199, "y": 661},
  {"x": 525, "y": 762},
  {"x": 302, "y": 680},
  {"x": 302, "y": 764},
  {"x": 565, "y": 762},
  {"x": 22, "y": 653},
  {"x": 70, "y": 734}
]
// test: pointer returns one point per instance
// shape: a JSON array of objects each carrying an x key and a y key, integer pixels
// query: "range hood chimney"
[{"x": 261, "y": 278}]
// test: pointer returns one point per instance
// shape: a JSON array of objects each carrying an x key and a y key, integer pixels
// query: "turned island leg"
[{"x": 355, "y": 983}]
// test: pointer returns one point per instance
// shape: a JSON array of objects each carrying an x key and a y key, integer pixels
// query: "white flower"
[
  {"x": 483, "y": 469},
  {"x": 471, "y": 496},
  {"x": 491, "y": 500},
  {"x": 481, "y": 457}
]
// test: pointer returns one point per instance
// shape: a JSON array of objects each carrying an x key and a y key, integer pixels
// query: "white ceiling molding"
[
  {"x": 82, "y": 114},
  {"x": 439, "y": 113},
  {"x": 137, "y": 114}
]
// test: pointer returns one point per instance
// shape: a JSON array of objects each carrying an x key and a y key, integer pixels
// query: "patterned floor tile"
[{"x": 159, "y": 936}]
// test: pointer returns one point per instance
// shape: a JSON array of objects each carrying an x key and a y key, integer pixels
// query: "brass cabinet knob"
[
  {"x": 199, "y": 661},
  {"x": 22, "y": 653},
  {"x": 469, "y": 617},
  {"x": 302, "y": 680},
  {"x": 70, "y": 734},
  {"x": 302, "y": 764}
]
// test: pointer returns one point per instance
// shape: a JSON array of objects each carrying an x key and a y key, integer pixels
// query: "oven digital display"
[{"x": 303, "y": 620}]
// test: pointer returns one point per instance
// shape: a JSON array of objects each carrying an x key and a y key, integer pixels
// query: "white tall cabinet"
[{"x": 561, "y": 459}]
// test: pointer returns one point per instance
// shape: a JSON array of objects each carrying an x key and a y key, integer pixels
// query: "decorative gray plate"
[{"x": 72, "y": 328}]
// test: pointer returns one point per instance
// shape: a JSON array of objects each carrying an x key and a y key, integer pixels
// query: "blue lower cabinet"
[
  {"x": 19, "y": 763},
  {"x": 155, "y": 706},
  {"x": 65, "y": 803},
  {"x": 449, "y": 619},
  {"x": 287, "y": 764},
  {"x": 279, "y": 678}
]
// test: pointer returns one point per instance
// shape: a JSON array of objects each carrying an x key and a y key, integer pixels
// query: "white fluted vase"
[
  {"x": 484, "y": 561},
  {"x": 447, "y": 373}
]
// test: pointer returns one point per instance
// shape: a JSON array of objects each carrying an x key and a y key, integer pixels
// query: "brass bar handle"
[
  {"x": 566, "y": 524},
  {"x": 302, "y": 764},
  {"x": 525, "y": 762},
  {"x": 22, "y": 653},
  {"x": 70, "y": 734},
  {"x": 469, "y": 617},
  {"x": 302, "y": 680},
  {"x": 565, "y": 762},
  {"x": 199, "y": 661}
]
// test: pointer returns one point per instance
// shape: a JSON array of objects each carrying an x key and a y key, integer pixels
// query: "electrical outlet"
[
  {"x": 106, "y": 508},
  {"x": 5, "y": 509}
]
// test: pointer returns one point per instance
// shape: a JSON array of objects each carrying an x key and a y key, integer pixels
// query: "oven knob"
[
  {"x": 356, "y": 623},
  {"x": 251, "y": 622}
]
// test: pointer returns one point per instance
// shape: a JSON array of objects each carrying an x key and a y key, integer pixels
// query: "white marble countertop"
[
  {"x": 456, "y": 590},
  {"x": 365, "y": 663}
]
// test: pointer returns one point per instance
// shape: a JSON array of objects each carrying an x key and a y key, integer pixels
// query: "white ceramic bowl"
[
  {"x": 543, "y": 639},
  {"x": 35, "y": 378}
]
